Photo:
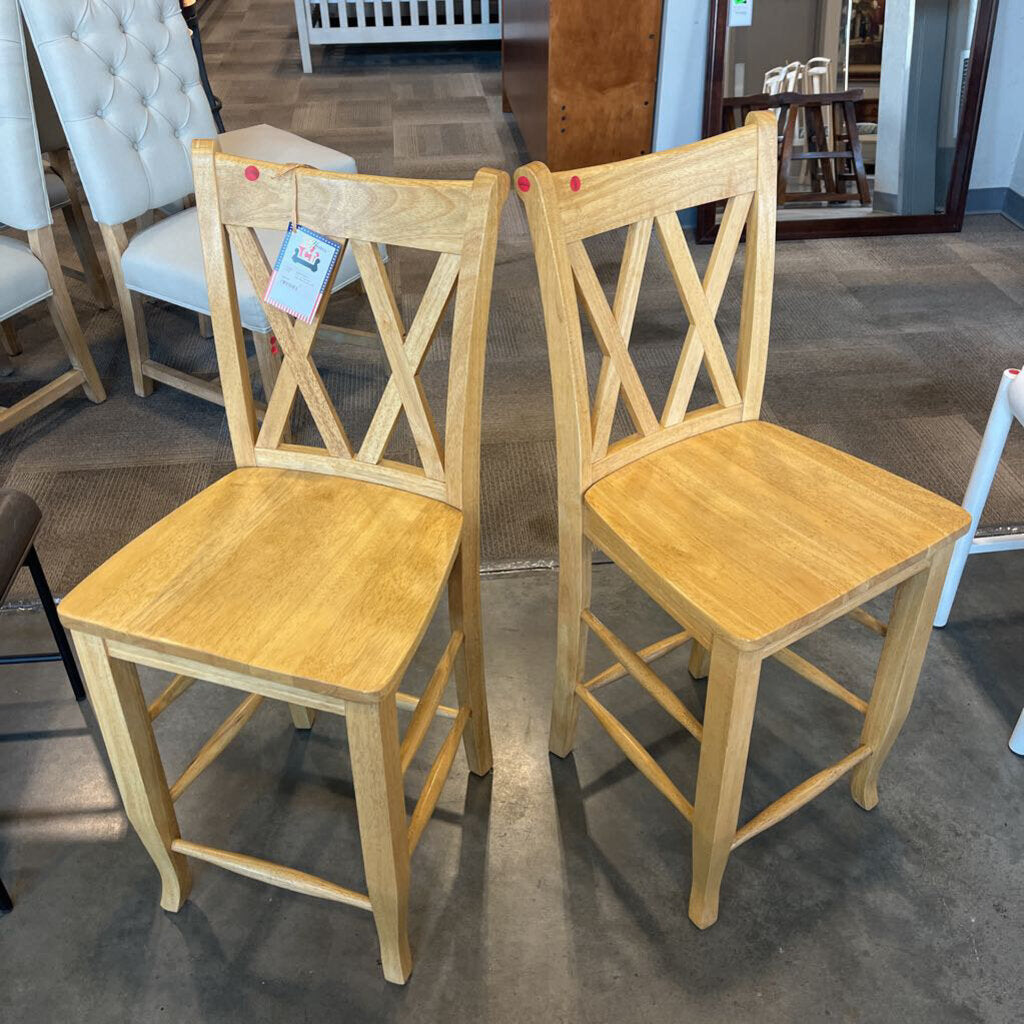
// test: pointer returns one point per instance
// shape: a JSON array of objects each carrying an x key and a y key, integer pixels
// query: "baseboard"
[
  {"x": 885, "y": 202},
  {"x": 997, "y": 200}
]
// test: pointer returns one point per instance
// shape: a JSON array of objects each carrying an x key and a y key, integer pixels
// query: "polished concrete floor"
[{"x": 554, "y": 890}]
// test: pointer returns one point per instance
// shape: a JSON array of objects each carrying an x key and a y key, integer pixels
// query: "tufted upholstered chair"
[
  {"x": 126, "y": 85},
  {"x": 62, "y": 186},
  {"x": 30, "y": 272}
]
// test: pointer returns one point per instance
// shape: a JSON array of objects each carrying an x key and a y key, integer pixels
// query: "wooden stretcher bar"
[
  {"x": 272, "y": 874},
  {"x": 645, "y": 676},
  {"x": 216, "y": 744},
  {"x": 439, "y": 771}
]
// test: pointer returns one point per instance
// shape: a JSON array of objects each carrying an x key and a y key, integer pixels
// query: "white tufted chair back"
[
  {"x": 125, "y": 82},
  {"x": 23, "y": 201}
]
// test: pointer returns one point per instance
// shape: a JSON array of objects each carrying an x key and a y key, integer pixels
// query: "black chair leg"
[
  {"x": 6, "y": 903},
  {"x": 43, "y": 589}
]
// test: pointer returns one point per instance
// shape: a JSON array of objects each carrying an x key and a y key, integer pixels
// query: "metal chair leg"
[{"x": 46, "y": 598}]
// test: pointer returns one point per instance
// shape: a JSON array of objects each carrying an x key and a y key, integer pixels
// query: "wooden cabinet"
[{"x": 581, "y": 77}]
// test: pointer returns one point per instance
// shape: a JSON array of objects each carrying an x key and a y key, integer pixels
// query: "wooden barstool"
[
  {"x": 310, "y": 574},
  {"x": 750, "y": 536}
]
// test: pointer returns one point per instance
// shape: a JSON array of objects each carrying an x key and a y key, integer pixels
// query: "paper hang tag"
[{"x": 301, "y": 272}]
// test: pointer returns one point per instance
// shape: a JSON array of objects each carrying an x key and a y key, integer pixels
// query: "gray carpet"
[{"x": 888, "y": 348}]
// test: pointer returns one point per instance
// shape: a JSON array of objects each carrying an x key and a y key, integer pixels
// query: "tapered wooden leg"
[
  {"x": 910, "y": 627},
  {"x": 728, "y": 717},
  {"x": 115, "y": 239},
  {"x": 464, "y": 614},
  {"x": 63, "y": 313},
  {"x": 302, "y": 718},
  {"x": 120, "y": 709},
  {"x": 700, "y": 661},
  {"x": 380, "y": 805},
  {"x": 574, "y": 581},
  {"x": 9, "y": 339}
]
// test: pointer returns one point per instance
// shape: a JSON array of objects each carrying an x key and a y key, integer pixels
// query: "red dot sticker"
[
  {"x": 252, "y": 173},
  {"x": 574, "y": 183},
  {"x": 1013, "y": 373},
  {"x": 524, "y": 184}
]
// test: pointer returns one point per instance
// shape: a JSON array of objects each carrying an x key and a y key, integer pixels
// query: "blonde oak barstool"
[
  {"x": 309, "y": 574},
  {"x": 750, "y": 536}
]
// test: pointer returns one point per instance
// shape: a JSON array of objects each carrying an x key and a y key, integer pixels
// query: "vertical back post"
[
  {"x": 227, "y": 325},
  {"x": 758, "y": 271}
]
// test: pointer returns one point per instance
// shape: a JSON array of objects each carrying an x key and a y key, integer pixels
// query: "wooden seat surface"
[
  {"x": 752, "y": 529},
  {"x": 296, "y": 577}
]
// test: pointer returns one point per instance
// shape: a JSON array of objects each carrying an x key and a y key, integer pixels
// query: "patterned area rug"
[{"x": 889, "y": 348}]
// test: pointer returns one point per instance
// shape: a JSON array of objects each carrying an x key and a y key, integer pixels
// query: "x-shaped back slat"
[
  {"x": 417, "y": 342},
  {"x": 610, "y": 334},
  {"x": 404, "y": 370},
  {"x": 298, "y": 372},
  {"x": 701, "y": 302},
  {"x": 627, "y": 291}
]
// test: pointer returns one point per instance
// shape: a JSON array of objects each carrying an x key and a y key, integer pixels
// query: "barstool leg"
[
  {"x": 728, "y": 717},
  {"x": 906, "y": 641},
  {"x": 575, "y": 575},
  {"x": 464, "y": 614},
  {"x": 6, "y": 903},
  {"x": 123, "y": 717},
  {"x": 50, "y": 610},
  {"x": 380, "y": 806}
]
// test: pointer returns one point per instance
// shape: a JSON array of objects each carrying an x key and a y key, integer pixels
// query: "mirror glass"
[{"x": 868, "y": 95}]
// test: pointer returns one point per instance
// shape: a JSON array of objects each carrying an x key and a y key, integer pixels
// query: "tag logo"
[{"x": 308, "y": 256}]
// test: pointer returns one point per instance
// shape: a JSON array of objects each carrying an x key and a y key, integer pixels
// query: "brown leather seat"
[{"x": 19, "y": 521}]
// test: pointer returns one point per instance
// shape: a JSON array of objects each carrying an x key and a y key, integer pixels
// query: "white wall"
[
  {"x": 680, "y": 101},
  {"x": 997, "y": 157}
]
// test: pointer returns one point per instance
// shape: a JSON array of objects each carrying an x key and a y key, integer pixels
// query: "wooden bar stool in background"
[
  {"x": 750, "y": 536},
  {"x": 309, "y": 574},
  {"x": 832, "y": 144}
]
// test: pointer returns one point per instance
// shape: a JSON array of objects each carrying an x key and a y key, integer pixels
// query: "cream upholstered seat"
[
  {"x": 23, "y": 280},
  {"x": 126, "y": 85},
  {"x": 30, "y": 271},
  {"x": 165, "y": 261}
]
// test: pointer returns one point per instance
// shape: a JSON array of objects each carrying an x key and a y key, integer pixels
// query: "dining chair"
[
  {"x": 1007, "y": 407},
  {"x": 748, "y": 535},
  {"x": 309, "y": 574},
  {"x": 62, "y": 186},
  {"x": 30, "y": 271},
  {"x": 127, "y": 88}
]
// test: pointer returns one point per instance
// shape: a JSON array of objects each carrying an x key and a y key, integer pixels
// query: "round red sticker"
[
  {"x": 574, "y": 183},
  {"x": 524, "y": 184},
  {"x": 252, "y": 173}
]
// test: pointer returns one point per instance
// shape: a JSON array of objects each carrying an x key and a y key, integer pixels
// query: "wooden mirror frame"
[{"x": 845, "y": 227}]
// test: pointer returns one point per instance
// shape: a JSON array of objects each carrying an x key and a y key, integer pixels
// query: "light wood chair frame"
[
  {"x": 83, "y": 371},
  {"x": 644, "y": 194},
  {"x": 458, "y": 221}
]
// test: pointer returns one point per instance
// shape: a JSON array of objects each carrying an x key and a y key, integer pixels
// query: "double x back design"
[
  {"x": 456, "y": 220},
  {"x": 646, "y": 194}
]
